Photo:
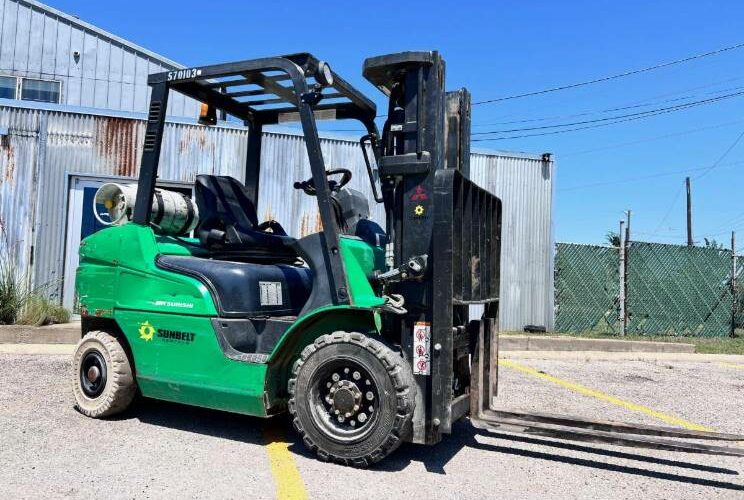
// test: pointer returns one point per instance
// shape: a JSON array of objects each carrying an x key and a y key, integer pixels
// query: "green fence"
[
  {"x": 586, "y": 288},
  {"x": 670, "y": 290}
]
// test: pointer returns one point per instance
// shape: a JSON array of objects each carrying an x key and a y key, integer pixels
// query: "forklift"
[{"x": 362, "y": 333}]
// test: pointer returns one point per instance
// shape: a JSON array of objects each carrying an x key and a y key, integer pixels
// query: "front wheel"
[{"x": 351, "y": 398}]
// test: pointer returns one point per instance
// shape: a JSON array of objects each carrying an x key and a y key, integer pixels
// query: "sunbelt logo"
[{"x": 147, "y": 332}]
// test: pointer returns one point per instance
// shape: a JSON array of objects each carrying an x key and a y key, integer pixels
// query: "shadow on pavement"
[
  {"x": 436, "y": 458},
  {"x": 215, "y": 423},
  {"x": 259, "y": 431}
]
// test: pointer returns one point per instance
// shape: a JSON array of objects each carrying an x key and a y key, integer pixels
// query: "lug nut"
[
  {"x": 362, "y": 417},
  {"x": 370, "y": 396},
  {"x": 356, "y": 376},
  {"x": 336, "y": 377}
]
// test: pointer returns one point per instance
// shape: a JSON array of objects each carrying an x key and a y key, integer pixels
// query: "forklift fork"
[{"x": 484, "y": 415}]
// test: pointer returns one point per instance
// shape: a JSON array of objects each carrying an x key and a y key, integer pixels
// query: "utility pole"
[
  {"x": 735, "y": 302},
  {"x": 689, "y": 213},
  {"x": 627, "y": 226},
  {"x": 621, "y": 297}
]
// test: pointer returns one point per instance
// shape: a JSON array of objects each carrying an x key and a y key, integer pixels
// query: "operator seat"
[{"x": 228, "y": 222}]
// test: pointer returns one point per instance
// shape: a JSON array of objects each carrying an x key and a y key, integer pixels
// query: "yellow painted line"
[
  {"x": 586, "y": 391},
  {"x": 287, "y": 479},
  {"x": 731, "y": 365}
]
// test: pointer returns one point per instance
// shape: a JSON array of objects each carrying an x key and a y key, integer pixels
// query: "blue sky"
[{"x": 501, "y": 48}]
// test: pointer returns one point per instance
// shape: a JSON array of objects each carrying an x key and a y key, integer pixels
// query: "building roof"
[{"x": 74, "y": 21}]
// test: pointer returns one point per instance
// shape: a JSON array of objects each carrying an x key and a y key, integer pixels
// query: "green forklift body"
[{"x": 166, "y": 319}]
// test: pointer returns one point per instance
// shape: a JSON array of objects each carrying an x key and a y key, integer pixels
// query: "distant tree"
[
  {"x": 613, "y": 238},
  {"x": 712, "y": 243}
]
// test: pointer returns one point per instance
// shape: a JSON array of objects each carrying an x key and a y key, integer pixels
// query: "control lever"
[{"x": 413, "y": 269}]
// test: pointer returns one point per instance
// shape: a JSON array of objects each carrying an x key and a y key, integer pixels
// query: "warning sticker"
[
  {"x": 421, "y": 348},
  {"x": 270, "y": 293}
]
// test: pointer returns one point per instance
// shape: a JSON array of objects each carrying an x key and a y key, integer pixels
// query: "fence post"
[
  {"x": 621, "y": 298},
  {"x": 734, "y": 301},
  {"x": 626, "y": 247}
]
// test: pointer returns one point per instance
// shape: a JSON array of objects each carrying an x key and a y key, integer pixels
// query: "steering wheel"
[{"x": 308, "y": 186}]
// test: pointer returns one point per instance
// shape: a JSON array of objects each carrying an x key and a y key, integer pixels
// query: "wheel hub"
[
  {"x": 349, "y": 397},
  {"x": 93, "y": 374},
  {"x": 346, "y": 397}
]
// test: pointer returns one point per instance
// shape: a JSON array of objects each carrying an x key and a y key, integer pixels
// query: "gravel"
[{"x": 163, "y": 450}]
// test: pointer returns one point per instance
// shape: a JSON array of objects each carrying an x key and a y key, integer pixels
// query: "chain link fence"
[
  {"x": 670, "y": 290},
  {"x": 586, "y": 289}
]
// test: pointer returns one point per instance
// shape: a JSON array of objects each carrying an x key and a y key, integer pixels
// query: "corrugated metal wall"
[
  {"x": 59, "y": 144},
  {"x": 525, "y": 185},
  {"x": 284, "y": 160},
  {"x": 37, "y": 41},
  {"x": 18, "y": 152}
]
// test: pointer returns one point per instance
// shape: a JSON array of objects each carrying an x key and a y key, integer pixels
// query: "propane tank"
[{"x": 172, "y": 213}]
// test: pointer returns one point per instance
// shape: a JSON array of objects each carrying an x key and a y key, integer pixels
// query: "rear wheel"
[
  {"x": 102, "y": 379},
  {"x": 351, "y": 398}
]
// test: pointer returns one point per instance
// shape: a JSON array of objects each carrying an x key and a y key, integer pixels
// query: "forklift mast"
[{"x": 433, "y": 209}]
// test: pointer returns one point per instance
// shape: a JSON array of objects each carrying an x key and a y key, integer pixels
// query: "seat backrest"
[{"x": 223, "y": 201}]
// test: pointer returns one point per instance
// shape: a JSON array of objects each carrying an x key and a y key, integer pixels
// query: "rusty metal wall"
[
  {"x": 525, "y": 185},
  {"x": 284, "y": 160},
  {"x": 110, "y": 146},
  {"x": 38, "y": 41},
  {"x": 18, "y": 151},
  {"x": 58, "y": 142}
]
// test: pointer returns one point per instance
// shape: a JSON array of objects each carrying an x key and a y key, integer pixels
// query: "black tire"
[
  {"x": 325, "y": 383},
  {"x": 102, "y": 379}
]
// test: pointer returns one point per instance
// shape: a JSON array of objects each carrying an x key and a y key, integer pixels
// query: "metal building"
[
  {"x": 525, "y": 183},
  {"x": 72, "y": 116},
  {"x": 47, "y": 55},
  {"x": 53, "y": 158}
]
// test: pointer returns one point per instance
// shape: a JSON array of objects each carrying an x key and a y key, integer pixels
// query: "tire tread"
[
  {"x": 400, "y": 375},
  {"x": 121, "y": 388}
]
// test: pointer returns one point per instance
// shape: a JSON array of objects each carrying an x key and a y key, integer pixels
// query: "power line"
[
  {"x": 669, "y": 211},
  {"x": 613, "y": 77},
  {"x": 720, "y": 158},
  {"x": 627, "y": 180},
  {"x": 734, "y": 227},
  {"x": 652, "y": 138},
  {"x": 616, "y": 117},
  {"x": 648, "y": 99},
  {"x": 646, "y": 104},
  {"x": 736, "y": 219},
  {"x": 597, "y": 125}
]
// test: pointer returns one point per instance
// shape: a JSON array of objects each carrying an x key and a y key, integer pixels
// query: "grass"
[
  {"x": 12, "y": 292},
  {"x": 19, "y": 304},
  {"x": 39, "y": 310},
  {"x": 705, "y": 345}
]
